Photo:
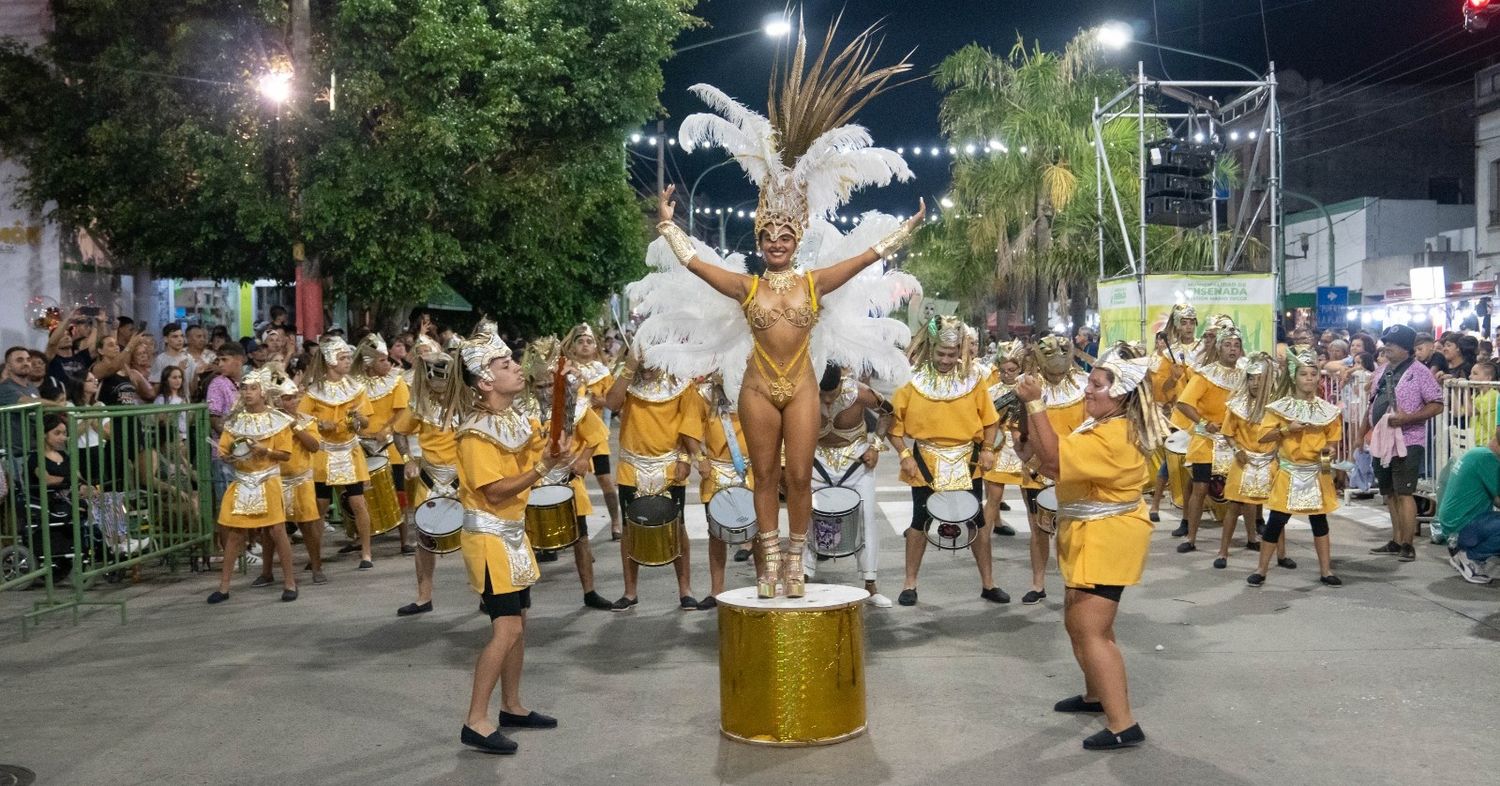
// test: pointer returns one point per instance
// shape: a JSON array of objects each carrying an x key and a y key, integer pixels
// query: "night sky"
[{"x": 1325, "y": 39}]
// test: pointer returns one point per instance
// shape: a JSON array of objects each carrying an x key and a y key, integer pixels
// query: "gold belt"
[
  {"x": 724, "y": 474},
  {"x": 341, "y": 462},
  {"x": 444, "y": 478},
  {"x": 1093, "y": 509},
  {"x": 1303, "y": 492},
  {"x": 838, "y": 459},
  {"x": 250, "y": 491},
  {"x": 289, "y": 484},
  {"x": 950, "y": 466},
  {"x": 1006, "y": 459},
  {"x": 512, "y": 534},
  {"x": 1255, "y": 476},
  {"x": 1223, "y": 454},
  {"x": 650, "y": 471}
]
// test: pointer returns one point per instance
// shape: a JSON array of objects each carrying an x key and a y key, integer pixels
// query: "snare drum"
[
  {"x": 1046, "y": 510},
  {"x": 731, "y": 515},
  {"x": 551, "y": 518},
  {"x": 1178, "y": 442},
  {"x": 838, "y": 522},
  {"x": 440, "y": 522},
  {"x": 651, "y": 530},
  {"x": 954, "y": 516}
]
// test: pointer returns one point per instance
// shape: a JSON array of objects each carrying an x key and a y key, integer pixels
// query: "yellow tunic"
[
  {"x": 492, "y": 448},
  {"x": 438, "y": 444},
  {"x": 333, "y": 402},
  {"x": 1208, "y": 396},
  {"x": 245, "y": 506},
  {"x": 296, "y": 477},
  {"x": 1102, "y": 464},
  {"x": 716, "y": 445},
  {"x": 1246, "y": 436},
  {"x": 1163, "y": 388},
  {"x": 388, "y": 397},
  {"x": 652, "y": 422},
  {"x": 1304, "y": 448},
  {"x": 1008, "y": 465},
  {"x": 945, "y": 410},
  {"x": 1064, "y": 401},
  {"x": 594, "y": 435}
]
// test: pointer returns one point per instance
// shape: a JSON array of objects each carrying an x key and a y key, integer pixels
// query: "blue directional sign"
[{"x": 1333, "y": 307}]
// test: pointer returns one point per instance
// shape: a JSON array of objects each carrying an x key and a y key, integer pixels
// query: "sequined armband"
[{"x": 678, "y": 241}]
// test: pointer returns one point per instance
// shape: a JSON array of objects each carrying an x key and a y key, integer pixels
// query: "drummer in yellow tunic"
[
  {"x": 1304, "y": 431},
  {"x": 432, "y": 445},
  {"x": 255, "y": 440},
  {"x": 339, "y": 405},
  {"x": 653, "y": 421},
  {"x": 1200, "y": 409},
  {"x": 1171, "y": 369},
  {"x": 389, "y": 397},
  {"x": 1248, "y": 481},
  {"x": 1008, "y": 466},
  {"x": 502, "y": 454},
  {"x": 581, "y": 348},
  {"x": 538, "y": 367},
  {"x": 1062, "y": 383},
  {"x": 943, "y": 412},
  {"x": 1103, "y": 533},
  {"x": 717, "y": 467}
]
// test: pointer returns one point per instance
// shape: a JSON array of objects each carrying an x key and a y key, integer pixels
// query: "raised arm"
[
  {"x": 836, "y": 275},
  {"x": 726, "y": 282}
]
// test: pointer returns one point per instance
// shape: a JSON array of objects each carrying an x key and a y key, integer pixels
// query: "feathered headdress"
[{"x": 806, "y": 157}]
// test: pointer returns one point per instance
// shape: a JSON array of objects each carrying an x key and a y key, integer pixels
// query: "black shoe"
[
  {"x": 995, "y": 595},
  {"x": 288, "y": 595},
  {"x": 546, "y": 556},
  {"x": 1252, "y": 546},
  {"x": 348, "y": 548},
  {"x": 708, "y": 602},
  {"x": 1332, "y": 580},
  {"x": 687, "y": 603},
  {"x": 365, "y": 564},
  {"x": 1181, "y": 531},
  {"x": 262, "y": 581},
  {"x": 1155, "y": 517},
  {"x": 1186, "y": 546},
  {"x": 908, "y": 597},
  {"x": 1077, "y": 704},
  {"x": 1005, "y": 506},
  {"x": 408, "y": 549},
  {"x": 534, "y": 720},
  {"x": 596, "y": 601},
  {"x": 623, "y": 604},
  {"x": 218, "y": 597},
  {"x": 1221, "y": 563},
  {"x": 414, "y": 608},
  {"x": 743, "y": 555},
  {"x": 496, "y": 743},
  {"x": 1286, "y": 562},
  {"x": 1033, "y": 597},
  {"x": 1391, "y": 548},
  {"x": 1408, "y": 553},
  {"x": 1260, "y": 528},
  {"x": 1255, "y": 579},
  {"x": 1107, "y": 740},
  {"x": 1006, "y": 530}
]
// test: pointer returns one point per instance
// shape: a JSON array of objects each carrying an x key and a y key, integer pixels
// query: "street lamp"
[
  {"x": 1118, "y": 35},
  {"x": 774, "y": 27},
  {"x": 275, "y": 86}
]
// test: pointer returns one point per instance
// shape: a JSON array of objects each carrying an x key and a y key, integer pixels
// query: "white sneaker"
[
  {"x": 880, "y": 601},
  {"x": 251, "y": 560},
  {"x": 1467, "y": 568}
]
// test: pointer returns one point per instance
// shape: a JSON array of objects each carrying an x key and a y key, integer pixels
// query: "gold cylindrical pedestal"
[{"x": 792, "y": 670}]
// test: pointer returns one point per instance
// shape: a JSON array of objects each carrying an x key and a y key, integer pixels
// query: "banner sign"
[{"x": 1248, "y": 299}]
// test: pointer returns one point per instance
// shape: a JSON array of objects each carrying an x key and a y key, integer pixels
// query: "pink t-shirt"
[{"x": 1416, "y": 388}]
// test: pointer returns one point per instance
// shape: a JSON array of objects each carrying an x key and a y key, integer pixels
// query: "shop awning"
[{"x": 443, "y": 297}]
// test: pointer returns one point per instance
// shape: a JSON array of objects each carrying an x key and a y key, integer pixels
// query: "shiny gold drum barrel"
[
  {"x": 1178, "y": 480},
  {"x": 551, "y": 520},
  {"x": 380, "y": 500},
  {"x": 652, "y": 525},
  {"x": 792, "y": 670}
]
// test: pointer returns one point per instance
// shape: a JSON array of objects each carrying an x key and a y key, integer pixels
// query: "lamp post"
[
  {"x": 1118, "y": 35},
  {"x": 774, "y": 27},
  {"x": 692, "y": 192}
]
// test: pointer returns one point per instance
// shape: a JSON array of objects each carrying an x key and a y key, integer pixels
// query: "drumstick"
[{"x": 559, "y": 404}]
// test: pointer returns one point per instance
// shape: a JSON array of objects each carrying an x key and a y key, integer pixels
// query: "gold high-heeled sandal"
[
  {"x": 768, "y": 550},
  {"x": 795, "y": 580}
]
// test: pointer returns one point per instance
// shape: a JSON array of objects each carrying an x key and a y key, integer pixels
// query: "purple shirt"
[
  {"x": 1416, "y": 388},
  {"x": 222, "y": 393}
]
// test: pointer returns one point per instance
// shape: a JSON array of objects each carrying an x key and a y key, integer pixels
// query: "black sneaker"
[
  {"x": 262, "y": 581},
  {"x": 1181, "y": 531},
  {"x": 531, "y": 720},
  {"x": 1286, "y": 562},
  {"x": 1155, "y": 517},
  {"x": 496, "y": 742},
  {"x": 1107, "y": 740},
  {"x": 288, "y": 595},
  {"x": 1005, "y": 506},
  {"x": 687, "y": 603},
  {"x": 1408, "y": 553},
  {"x": 1186, "y": 546},
  {"x": 365, "y": 564},
  {"x": 596, "y": 601},
  {"x": 1221, "y": 563},
  {"x": 1391, "y": 548},
  {"x": 1332, "y": 580},
  {"x": 743, "y": 555},
  {"x": 1255, "y": 546},
  {"x": 708, "y": 602},
  {"x": 348, "y": 548},
  {"x": 218, "y": 597},
  {"x": 1005, "y": 530},
  {"x": 1077, "y": 704},
  {"x": 995, "y": 595},
  {"x": 908, "y": 597},
  {"x": 623, "y": 604},
  {"x": 408, "y": 549},
  {"x": 414, "y": 608},
  {"x": 1033, "y": 597},
  {"x": 1255, "y": 579}
]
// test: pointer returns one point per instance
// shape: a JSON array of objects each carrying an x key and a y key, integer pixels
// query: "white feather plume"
[
  {"x": 842, "y": 161},
  {"x": 746, "y": 135}
]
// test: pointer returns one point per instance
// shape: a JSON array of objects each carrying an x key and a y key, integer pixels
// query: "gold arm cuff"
[
  {"x": 678, "y": 241},
  {"x": 1034, "y": 407},
  {"x": 906, "y": 454},
  {"x": 892, "y": 243}
]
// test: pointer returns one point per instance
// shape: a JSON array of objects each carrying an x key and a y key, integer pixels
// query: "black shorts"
[
  {"x": 601, "y": 464},
  {"x": 507, "y": 604},
  {"x": 583, "y": 527},
  {"x": 1202, "y": 473},
  {"x": 920, "y": 520},
  {"x": 1029, "y": 496},
  {"x": 398, "y": 476},
  {"x": 1399, "y": 479},
  {"x": 321, "y": 490},
  {"x": 1106, "y": 591}
]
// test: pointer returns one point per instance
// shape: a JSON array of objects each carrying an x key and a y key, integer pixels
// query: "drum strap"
[
  {"x": 922, "y": 464},
  {"x": 848, "y": 472},
  {"x": 734, "y": 445}
]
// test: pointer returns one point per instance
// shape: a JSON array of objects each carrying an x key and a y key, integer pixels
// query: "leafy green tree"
[{"x": 477, "y": 142}]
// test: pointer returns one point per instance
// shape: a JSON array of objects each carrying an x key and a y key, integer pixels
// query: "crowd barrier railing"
[{"x": 31, "y": 525}]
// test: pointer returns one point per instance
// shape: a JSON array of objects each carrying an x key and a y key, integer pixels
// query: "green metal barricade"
[
  {"x": 139, "y": 494},
  {"x": 31, "y": 525}
]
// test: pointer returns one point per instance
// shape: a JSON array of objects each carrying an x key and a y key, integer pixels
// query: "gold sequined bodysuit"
[{"x": 780, "y": 380}]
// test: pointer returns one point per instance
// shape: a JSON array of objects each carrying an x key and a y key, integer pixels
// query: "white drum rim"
[
  {"x": 549, "y": 495},
  {"x": 729, "y": 498},
  {"x": 837, "y": 491},
  {"x": 1045, "y": 496},
  {"x": 447, "y": 503},
  {"x": 974, "y": 503},
  {"x": 1178, "y": 442}
]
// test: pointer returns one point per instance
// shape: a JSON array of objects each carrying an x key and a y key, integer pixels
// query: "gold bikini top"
[{"x": 762, "y": 318}]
